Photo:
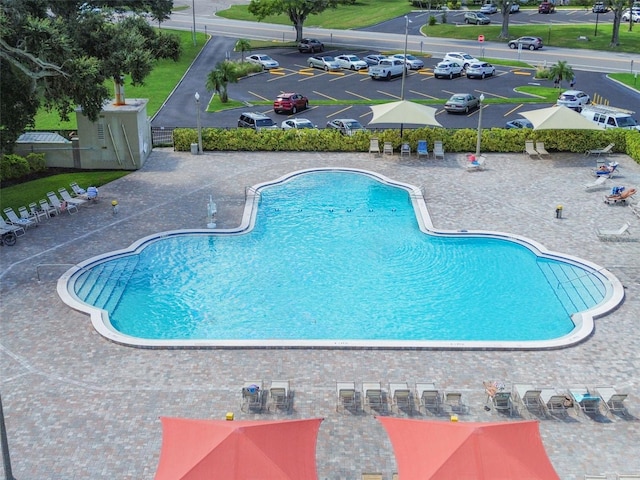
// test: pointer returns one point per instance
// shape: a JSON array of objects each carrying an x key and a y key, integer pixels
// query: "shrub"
[
  {"x": 432, "y": 20},
  {"x": 13, "y": 166},
  {"x": 36, "y": 162}
]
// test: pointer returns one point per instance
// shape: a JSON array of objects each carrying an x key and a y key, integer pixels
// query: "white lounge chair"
[
  {"x": 453, "y": 400},
  {"x": 401, "y": 396},
  {"x": 347, "y": 399},
  {"x": 429, "y": 397},
  {"x": 601, "y": 151},
  {"x": 613, "y": 400},
  {"x": 476, "y": 164},
  {"x": 8, "y": 227},
  {"x": 423, "y": 149},
  {"x": 374, "y": 146},
  {"x": 595, "y": 477},
  {"x": 631, "y": 476},
  {"x": 613, "y": 235},
  {"x": 530, "y": 150},
  {"x": 49, "y": 209},
  {"x": 405, "y": 149},
  {"x": 541, "y": 150},
  {"x": 373, "y": 395},
  {"x": 14, "y": 219},
  {"x": 279, "y": 395},
  {"x": 68, "y": 198},
  {"x": 554, "y": 401},
  {"x": 598, "y": 182},
  {"x": 587, "y": 402},
  {"x": 37, "y": 212},
  {"x": 438, "y": 149},
  {"x": 252, "y": 396},
  {"x": 530, "y": 397},
  {"x": 77, "y": 190},
  {"x": 388, "y": 148},
  {"x": 59, "y": 206}
]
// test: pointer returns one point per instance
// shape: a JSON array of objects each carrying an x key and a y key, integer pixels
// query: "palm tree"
[
  {"x": 561, "y": 71},
  {"x": 243, "y": 45},
  {"x": 218, "y": 79}
]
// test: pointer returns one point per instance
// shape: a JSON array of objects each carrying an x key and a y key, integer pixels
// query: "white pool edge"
[{"x": 583, "y": 321}]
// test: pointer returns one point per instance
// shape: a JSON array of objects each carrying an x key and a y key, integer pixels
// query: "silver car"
[
  {"x": 264, "y": 60},
  {"x": 324, "y": 62},
  {"x": 461, "y": 103},
  {"x": 410, "y": 61},
  {"x": 297, "y": 124},
  {"x": 346, "y": 126},
  {"x": 352, "y": 62}
]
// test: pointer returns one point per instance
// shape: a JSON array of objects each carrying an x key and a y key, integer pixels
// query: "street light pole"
[
  {"x": 197, "y": 96},
  {"x": 404, "y": 70},
  {"x": 193, "y": 11},
  {"x": 479, "y": 127},
  {"x": 6, "y": 458}
]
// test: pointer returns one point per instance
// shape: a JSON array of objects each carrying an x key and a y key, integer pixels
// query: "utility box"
[{"x": 120, "y": 139}]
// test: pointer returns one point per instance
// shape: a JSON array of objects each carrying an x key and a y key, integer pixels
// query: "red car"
[
  {"x": 546, "y": 7},
  {"x": 290, "y": 102}
]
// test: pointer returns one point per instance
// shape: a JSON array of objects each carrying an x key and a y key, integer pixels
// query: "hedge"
[
  {"x": 499, "y": 140},
  {"x": 14, "y": 166}
]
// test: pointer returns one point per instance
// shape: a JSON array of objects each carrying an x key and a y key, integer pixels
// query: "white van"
[{"x": 610, "y": 117}]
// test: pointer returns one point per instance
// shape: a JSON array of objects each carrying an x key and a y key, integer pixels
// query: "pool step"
[
  {"x": 573, "y": 286},
  {"x": 103, "y": 285}
]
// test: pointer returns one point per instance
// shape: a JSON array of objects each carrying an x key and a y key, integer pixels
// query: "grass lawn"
[
  {"x": 25, "y": 193},
  {"x": 164, "y": 77}
]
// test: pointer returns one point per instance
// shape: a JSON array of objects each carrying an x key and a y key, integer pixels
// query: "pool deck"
[{"x": 78, "y": 406}]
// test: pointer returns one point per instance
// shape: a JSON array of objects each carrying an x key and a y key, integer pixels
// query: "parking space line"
[
  {"x": 339, "y": 112},
  {"x": 520, "y": 72},
  {"x": 285, "y": 75},
  {"x": 422, "y": 94},
  {"x": 513, "y": 110},
  {"x": 277, "y": 71},
  {"x": 388, "y": 94},
  {"x": 492, "y": 94},
  {"x": 258, "y": 96},
  {"x": 325, "y": 96},
  {"x": 356, "y": 95}
]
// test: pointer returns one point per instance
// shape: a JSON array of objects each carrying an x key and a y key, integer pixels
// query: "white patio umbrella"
[
  {"x": 559, "y": 118},
  {"x": 404, "y": 112}
]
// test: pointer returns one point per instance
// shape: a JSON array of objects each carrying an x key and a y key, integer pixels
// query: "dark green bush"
[
  {"x": 36, "y": 162},
  {"x": 13, "y": 166}
]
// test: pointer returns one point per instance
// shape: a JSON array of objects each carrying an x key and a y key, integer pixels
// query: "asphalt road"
[{"x": 180, "y": 108}]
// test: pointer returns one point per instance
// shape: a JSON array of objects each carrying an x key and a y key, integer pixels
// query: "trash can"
[{"x": 194, "y": 149}]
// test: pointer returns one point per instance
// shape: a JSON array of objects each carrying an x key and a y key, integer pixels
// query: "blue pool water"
[{"x": 338, "y": 255}]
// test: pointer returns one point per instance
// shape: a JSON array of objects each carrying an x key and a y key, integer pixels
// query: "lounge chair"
[
  {"x": 476, "y": 164},
  {"x": 373, "y": 395},
  {"x": 49, "y": 209},
  {"x": 611, "y": 399},
  {"x": 598, "y": 182},
  {"x": 555, "y": 402},
  {"x": 388, "y": 148},
  {"x": 530, "y": 150},
  {"x": 423, "y": 149},
  {"x": 37, "y": 212},
  {"x": 438, "y": 150},
  {"x": 279, "y": 395},
  {"x": 635, "y": 209},
  {"x": 61, "y": 206},
  {"x": 612, "y": 235},
  {"x": 595, "y": 477},
  {"x": 401, "y": 396},
  {"x": 26, "y": 214},
  {"x": 453, "y": 400},
  {"x": 77, "y": 190},
  {"x": 5, "y": 227},
  {"x": 502, "y": 402},
  {"x": 374, "y": 146},
  {"x": 541, "y": 150},
  {"x": 69, "y": 199},
  {"x": 14, "y": 219},
  {"x": 628, "y": 476},
  {"x": 530, "y": 397},
  {"x": 587, "y": 402},
  {"x": 252, "y": 396},
  {"x": 405, "y": 149},
  {"x": 607, "y": 170},
  {"x": 429, "y": 397},
  {"x": 601, "y": 151},
  {"x": 619, "y": 195},
  {"x": 347, "y": 400}
]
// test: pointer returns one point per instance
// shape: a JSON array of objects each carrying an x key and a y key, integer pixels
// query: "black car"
[
  {"x": 520, "y": 123},
  {"x": 310, "y": 45}
]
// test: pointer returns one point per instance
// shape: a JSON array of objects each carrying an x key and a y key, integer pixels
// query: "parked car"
[
  {"x": 290, "y": 102},
  {"x": 462, "y": 58},
  {"x": 412, "y": 62},
  {"x": 514, "y": 8},
  {"x": 346, "y": 126},
  {"x": 574, "y": 99},
  {"x": 310, "y": 45},
  {"x": 373, "y": 59},
  {"x": 461, "y": 103},
  {"x": 257, "y": 121},
  {"x": 297, "y": 124},
  {"x": 476, "y": 17},
  {"x": 480, "y": 70},
  {"x": 599, "y": 7},
  {"x": 519, "y": 123},
  {"x": 324, "y": 62},
  {"x": 352, "y": 62},
  {"x": 264, "y": 60},
  {"x": 532, "y": 43},
  {"x": 446, "y": 69},
  {"x": 628, "y": 14},
  {"x": 488, "y": 8},
  {"x": 387, "y": 68},
  {"x": 546, "y": 7}
]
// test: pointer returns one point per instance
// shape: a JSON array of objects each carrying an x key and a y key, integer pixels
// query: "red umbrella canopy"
[
  {"x": 442, "y": 450},
  {"x": 241, "y": 450}
]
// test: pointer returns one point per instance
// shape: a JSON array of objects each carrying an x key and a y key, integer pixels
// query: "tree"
[
  {"x": 617, "y": 7},
  {"x": 505, "y": 7},
  {"x": 296, "y": 10},
  {"x": 219, "y": 78},
  {"x": 61, "y": 53},
  {"x": 561, "y": 71},
  {"x": 243, "y": 45}
]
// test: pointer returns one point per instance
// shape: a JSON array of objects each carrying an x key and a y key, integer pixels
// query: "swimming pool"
[{"x": 340, "y": 258}]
